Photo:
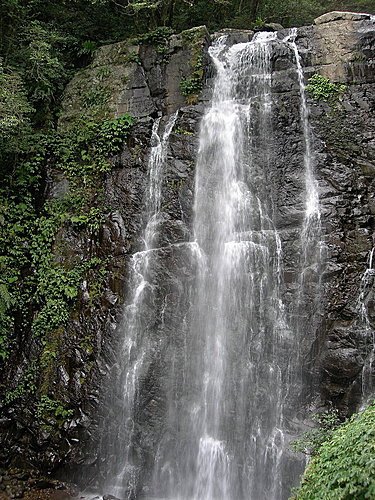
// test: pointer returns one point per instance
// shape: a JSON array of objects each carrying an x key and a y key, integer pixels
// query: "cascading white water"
[
  {"x": 312, "y": 196},
  {"x": 224, "y": 403},
  {"x": 229, "y": 435},
  {"x": 308, "y": 302},
  {"x": 238, "y": 300},
  {"x": 135, "y": 352}
]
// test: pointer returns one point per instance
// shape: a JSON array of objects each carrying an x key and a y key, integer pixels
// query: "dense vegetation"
[{"x": 344, "y": 465}]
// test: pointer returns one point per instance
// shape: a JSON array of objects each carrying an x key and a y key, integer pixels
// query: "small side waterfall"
[
  {"x": 311, "y": 229},
  {"x": 312, "y": 216},
  {"x": 134, "y": 358},
  {"x": 366, "y": 288},
  {"x": 308, "y": 303}
]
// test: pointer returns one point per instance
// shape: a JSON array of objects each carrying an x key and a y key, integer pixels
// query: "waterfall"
[
  {"x": 311, "y": 229},
  {"x": 308, "y": 303},
  {"x": 238, "y": 299},
  {"x": 134, "y": 357},
  {"x": 229, "y": 432},
  {"x": 205, "y": 404}
]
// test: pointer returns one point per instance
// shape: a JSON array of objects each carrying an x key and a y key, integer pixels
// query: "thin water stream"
[
  {"x": 134, "y": 357},
  {"x": 366, "y": 289}
]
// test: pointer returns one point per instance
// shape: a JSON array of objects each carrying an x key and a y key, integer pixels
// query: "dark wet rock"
[
  {"x": 29, "y": 484},
  {"x": 234, "y": 35}
]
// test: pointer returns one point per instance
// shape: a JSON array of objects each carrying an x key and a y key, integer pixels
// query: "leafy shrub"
[
  {"x": 322, "y": 89},
  {"x": 45, "y": 72},
  {"x": 190, "y": 86},
  {"x": 30, "y": 278},
  {"x": 14, "y": 107},
  {"x": 344, "y": 467},
  {"x": 88, "y": 47},
  {"x": 48, "y": 408}
]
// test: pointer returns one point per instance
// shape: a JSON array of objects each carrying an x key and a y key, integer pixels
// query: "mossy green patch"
[{"x": 191, "y": 86}]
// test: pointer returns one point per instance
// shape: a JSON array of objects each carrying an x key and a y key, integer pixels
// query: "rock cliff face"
[{"x": 145, "y": 80}]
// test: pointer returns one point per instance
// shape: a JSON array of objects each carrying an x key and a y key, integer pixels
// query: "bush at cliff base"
[{"x": 344, "y": 467}]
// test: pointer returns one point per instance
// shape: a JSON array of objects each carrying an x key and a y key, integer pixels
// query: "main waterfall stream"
[{"x": 233, "y": 383}]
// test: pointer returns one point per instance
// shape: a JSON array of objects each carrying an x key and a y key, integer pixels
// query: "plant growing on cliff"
[
  {"x": 14, "y": 106},
  {"x": 158, "y": 37},
  {"x": 191, "y": 86},
  {"x": 51, "y": 409},
  {"x": 344, "y": 466},
  {"x": 322, "y": 89},
  {"x": 82, "y": 153},
  {"x": 34, "y": 288},
  {"x": 310, "y": 442}
]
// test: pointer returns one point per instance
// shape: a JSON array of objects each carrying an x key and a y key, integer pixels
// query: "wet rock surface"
[
  {"x": 340, "y": 46},
  {"x": 17, "y": 483}
]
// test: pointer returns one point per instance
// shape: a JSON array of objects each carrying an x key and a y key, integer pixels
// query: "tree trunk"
[{"x": 254, "y": 7}]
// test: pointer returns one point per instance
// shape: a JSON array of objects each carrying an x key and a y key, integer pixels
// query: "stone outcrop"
[
  {"x": 144, "y": 80},
  {"x": 341, "y": 16}
]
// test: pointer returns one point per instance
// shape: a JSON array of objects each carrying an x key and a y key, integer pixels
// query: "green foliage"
[
  {"x": 49, "y": 408},
  {"x": 57, "y": 290},
  {"x": 88, "y": 47},
  {"x": 322, "y": 89},
  {"x": 191, "y": 86},
  {"x": 16, "y": 222},
  {"x": 259, "y": 23},
  {"x": 14, "y": 106},
  {"x": 25, "y": 386},
  {"x": 311, "y": 441},
  {"x": 97, "y": 96},
  {"x": 182, "y": 131},
  {"x": 45, "y": 72},
  {"x": 138, "y": 7},
  {"x": 110, "y": 134},
  {"x": 158, "y": 37},
  {"x": 344, "y": 467},
  {"x": 30, "y": 277},
  {"x": 133, "y": 57},
  {"x": 83, "y": 151}
]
